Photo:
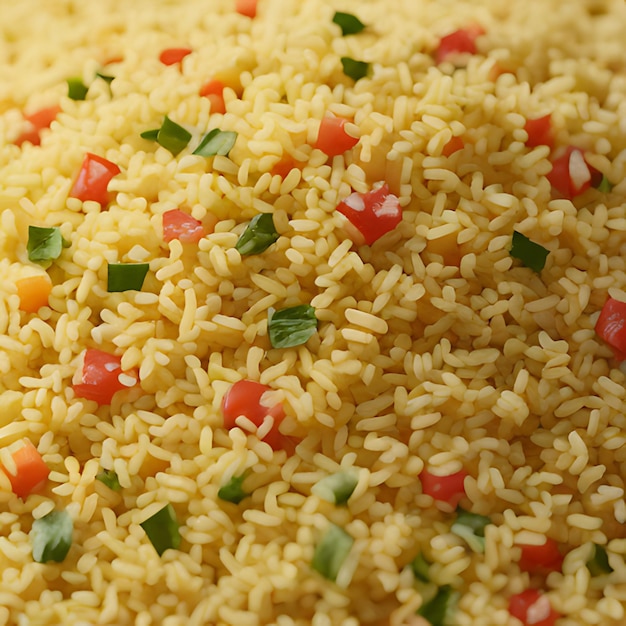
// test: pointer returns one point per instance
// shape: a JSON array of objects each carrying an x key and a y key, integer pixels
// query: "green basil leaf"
[
  {"x": 105, "y": 77},
  {"x": 331, "y": 552},
  {"x": 259, "y": 235},
  {"x": 44, "y": 244},
  {"x": 76, "y": 89},
  {"x": 215, "y": 142},
  {"x": 292, "y": 326},
  {"x": 126, "y": 276},
  {"x": 421, "y": 568},
  {"x": 336, "y": 488},
  {"x": 233, "y": 490},
  {"x": 598, "y": 564},
  {"x": 349, "y": 24},
  {"x": 471, "y": 527},
  {"x": 162, "y": 529},
  {"x": 531, "y": 254},
  {"x": 355, "y": 69},
  {"x": 438, "y": 610},
  {"x": 173, "y": 136},
  {"x": 605, "y": 186},
  {"x": 51, "y": 537},
  {"x": 110, "y": 479}
]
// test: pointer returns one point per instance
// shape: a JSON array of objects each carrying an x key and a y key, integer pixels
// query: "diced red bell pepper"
[
  {"x": 611, "y": 326},
  {"x": 450, "y": 488},
  {"x": 332, "y": 138},
  {"x": 246, "y": 397},
  {"x": 541, "y": 559},
  {"x": 532, "y": 608},
  {"x": 571, "y": 175},
  {"x": 171, "y": 56},
  {"x": 373, "y": 213},
  {"x": 214, "y": 91},
  {"x": 93, "y": 179},
  {"x": 246, "y": 7},
  {"x": 539, "y": 132},
  {"x": 31, "y": 470},
  {"x": 180, "y": 225},
  {"x": 36, "y": 122},
  {"x": 102, "y": 377},
  {"x": 458, "y": 42}
]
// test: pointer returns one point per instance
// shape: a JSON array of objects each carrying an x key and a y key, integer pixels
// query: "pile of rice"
[{"x": 435, "y": 348}]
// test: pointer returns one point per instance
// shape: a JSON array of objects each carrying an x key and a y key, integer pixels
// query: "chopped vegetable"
[
  {"x": 36, "y": 122},
  {"x": 373, "y": 214},
  {"x": 171, "y": 136},
  {"x": 541, "y": 559},
  {"x": 462, "y": 41},
  {"x": 331, "y": 552},
  {"x": 438, "y": 610},
  {"x": 332, "y": 138},
  {"x": 605, "y": 185},
  {"x": 110, "y": 479},
  {"x": 611, "y": 326},
  {"x": 214, "y": 91},
  {"x": 539, "y": 132},
  {"x": 76, "y": 89},
  {"x": 454, "y": 145},
  {"x": 215, "y": 142},
  {"x": 51, "y": 537},
  {"x": 33, "y": 292},
  {"x": 44, "y": 244},
  {"x": 246, "y": 7},
  {"x": 259, "y": 235},
  {"x": 248, "y": 398},
  {"x": 336, "y": 488},
  {"x": 571, "y": 175},
  {"x": 355, "y": 69},
  {"x": 162, "y": 529},
  {"x": 531, "y": 254},
  {"x": 102, "y": 376},
  {"x": 126, "y": 276},
  {"x": 171, "y": 56},
  {"x": 283, "y": 167},
  {"x": 182, "y": 226},
  {"x": 349, "y": 24},
  {"x": 471, "y": 527},
  {"x": 31, "y": 470},
  {"x": 532, "y": 608},
  {"x": 448, "y": 489},
  {"x": 599, "y": 564},
  {"x": 292, "y": 326},
  {"x": 420, "y": 568},
  {"x": 105, "y": 77},
  {"x": 233, "y": 490},
  {"x": 93, "y": 179}
]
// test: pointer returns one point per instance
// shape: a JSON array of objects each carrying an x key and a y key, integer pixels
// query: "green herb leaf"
[
  {"x": 531, "y": 254},
  {"x": 162, "y": 529},
  {"x": 173, "y": 136},
  {"x": 355, "y": 69},
  {"x": 51, "y": 537},
  {"x": 110, "y": 479},
  {"x": 471, "y": 527},
  {"x": 126, "y": 276},
  {"x": 331, "y": 552},
  {"x": 215, "y": 142},
  {"x": 44, "y": 244},
  {"x": 150, "y": 135},
  {"x": 349, "y": 24},
  {"x": 336, "y": 488},
  {"x": 438, "y": 610},
  {"x": 233, "y": 491},
  {"x": 421, "y": 568},
  {"x": 259, "y": 235},
  {"x": 76, "y": 89},
  {"x": 605, "y": 186},
  {"x": 105, "y": 77},
  {"x": 292, "y": 326},
  {"x": 598, "y": 564}
]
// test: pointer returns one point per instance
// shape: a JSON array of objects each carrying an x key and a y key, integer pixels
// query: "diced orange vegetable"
[
  {"x": 32, "y": 472},
  {"x": 214, "y": 91},
  {"x": 171, "y": 56},
  {"x": 332, "y": 138},
  {"x": 33, "y": 292},
  {"x": 283, "y": 167},
  {"x": 454, "y": 145},
  {"x": 447, "y": 247},
  {"x": 246, "y": 7}
]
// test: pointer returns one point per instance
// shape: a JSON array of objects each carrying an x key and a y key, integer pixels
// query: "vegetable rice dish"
[{"x": 313, "y": 312}]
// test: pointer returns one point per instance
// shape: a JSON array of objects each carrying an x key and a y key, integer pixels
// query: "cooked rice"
[{"x": 435, "y": 348}]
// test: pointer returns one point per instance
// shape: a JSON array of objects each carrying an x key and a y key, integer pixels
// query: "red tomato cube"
[{"x": 93, "y": 179}]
